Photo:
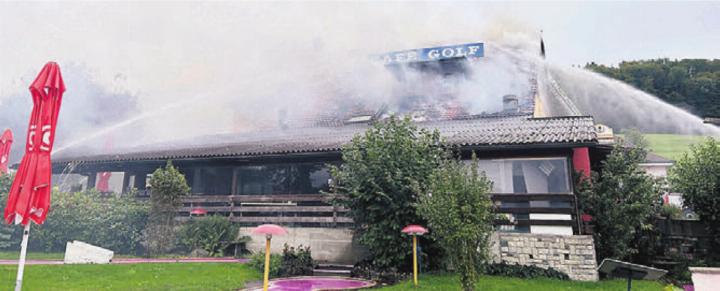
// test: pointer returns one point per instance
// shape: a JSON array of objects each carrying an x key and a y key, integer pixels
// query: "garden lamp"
[
  {"x": 414, "y": 230},
  {"x": 268, "y": 230}
]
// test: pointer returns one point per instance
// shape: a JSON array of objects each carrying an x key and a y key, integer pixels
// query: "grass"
[
  {"x": 671, "y": 146},
  {"x": 14, "y": 255},
  {"x": 489, "y": 283},
  {"x": 171, "y": 276}
]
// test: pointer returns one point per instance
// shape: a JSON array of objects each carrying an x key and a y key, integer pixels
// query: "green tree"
[
  {"x": 458, "y": 209},
  {"x": 168, "y": 188},
  {"x": 622, "y": 200},
  {"x": 382, "y": 173},
  {"x": 697, "y": 176}
]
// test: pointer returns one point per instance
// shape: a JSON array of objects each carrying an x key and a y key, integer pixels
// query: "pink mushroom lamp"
[
  {"x": 268, "y": 230},
  {"x": 198, "y": 212},
  {"x": 414, "y": 230}
]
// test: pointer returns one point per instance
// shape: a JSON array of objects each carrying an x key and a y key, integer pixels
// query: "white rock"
[{"x": 77, "y": 252}]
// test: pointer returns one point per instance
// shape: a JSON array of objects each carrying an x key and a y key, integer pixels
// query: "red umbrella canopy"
[
  {"x": 198, "y": 211},
  {"x": 270, "y": 229},
  {"x": 414, "y": 229},
  {"x": 29, "y": 196},
  {"x": 5, "y": 142}
]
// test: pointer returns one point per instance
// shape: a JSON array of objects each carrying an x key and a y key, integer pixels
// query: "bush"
[
  {"x": 168, "y": 188},
  {"x": 257, "y": 261},
  {"x": 296, "y": 262},
  {"x": 382, "y": 172},
  {"x": 623, "y": 201},
  {"x": 6, "y": 231},
  {"x": 459, "y": 213},
  {"x": 697, "y": 176},
  {"x": 115, "y": 223},
  {"x": 365, "y": 269},
  {"x": 522, "y": 271},
  {"x": 211, "y": 234},
  {"x": 670, "y": 212}
]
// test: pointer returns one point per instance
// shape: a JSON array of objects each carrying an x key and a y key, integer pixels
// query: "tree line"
[{"x": 692, "y": 84}]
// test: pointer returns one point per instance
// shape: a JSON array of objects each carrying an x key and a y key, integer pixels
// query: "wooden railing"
[
  {"x": 299, "y": 209},
  {"x": 316, "y": 210}
]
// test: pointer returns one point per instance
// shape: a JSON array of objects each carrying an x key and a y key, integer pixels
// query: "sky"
[
  {"x": 229, "y": 62},
  {"x": 146, "y": 47}
]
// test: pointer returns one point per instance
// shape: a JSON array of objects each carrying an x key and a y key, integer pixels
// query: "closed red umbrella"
[
  {"x": 29, "y": 196},
  {"x": 103, "y": 184},
  {"x": 5, "y": 142}
]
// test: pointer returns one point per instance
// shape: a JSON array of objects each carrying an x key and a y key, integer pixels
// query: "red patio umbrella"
[
  {"x": 103, "y": 184},
  {"x": 29, "y": 196},
  {"x": 5, "y": 143}
]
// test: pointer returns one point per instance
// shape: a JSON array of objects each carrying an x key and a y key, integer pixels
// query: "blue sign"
[{"x": 434, "y": 53}]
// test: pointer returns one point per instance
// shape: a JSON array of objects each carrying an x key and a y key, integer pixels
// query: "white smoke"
[{"x": 201, "y": 68}]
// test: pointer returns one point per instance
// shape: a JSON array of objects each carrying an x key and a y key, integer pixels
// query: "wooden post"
[
  {"x": 267, "y": 262},
  {"x": 415, "y": 266},
  {"x": 334, "y": 216}
]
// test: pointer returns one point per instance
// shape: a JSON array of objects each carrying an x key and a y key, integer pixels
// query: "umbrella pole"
[{"x": 23, "y": 254}]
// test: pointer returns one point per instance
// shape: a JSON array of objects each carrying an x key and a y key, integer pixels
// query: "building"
[{"x": 279, "y": 175}]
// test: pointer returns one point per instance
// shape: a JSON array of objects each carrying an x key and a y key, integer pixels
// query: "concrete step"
[
  {"x": 327, "y": 272},
  {"x": 333, "y": 270},
  {"x": 334, "y": 266}
]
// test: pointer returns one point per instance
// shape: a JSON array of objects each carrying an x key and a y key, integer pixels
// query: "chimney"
[{"x": 510, "y": 104}]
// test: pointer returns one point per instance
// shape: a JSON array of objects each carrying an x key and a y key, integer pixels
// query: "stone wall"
[
  {"x": 573, "y": 255},
  {"x": 327, "y": 244}
]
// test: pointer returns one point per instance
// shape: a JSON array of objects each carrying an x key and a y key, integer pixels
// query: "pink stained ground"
[{"x": 316, "y": 283}]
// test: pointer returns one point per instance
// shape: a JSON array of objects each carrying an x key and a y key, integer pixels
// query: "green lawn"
[
  {"x": 488, "y": 283},
  {"x": 14, "y": 255},
  {"x": 671, "y": 146},
  {"x": 169, "y": 276}
]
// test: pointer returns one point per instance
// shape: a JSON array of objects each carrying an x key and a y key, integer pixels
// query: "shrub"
[
  {"x": 459, "y": 213},
  {"x": 379, "y": 180},
  {"x": 257, "y": 261},
  {"x": 211, "y": 234},
  {"x": 115, "y": 223},
  {"x": 297, "y": 261},
  {"x": 366, "y": 269},
  {"x": 622, "y": 200},
  {"x": 522, "y": 271},
  {"x": 6, "y": 232},
  {"x": 168, "y": 188},
  {"x": 697, "y": 177},
  {"x": 670, "y": 212}
]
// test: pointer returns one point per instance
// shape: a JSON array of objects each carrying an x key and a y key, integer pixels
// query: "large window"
[
  {"x": 211, "y": 180},
  {"x": 541, "y": 175},
  {"x": 300, "y": 178}
]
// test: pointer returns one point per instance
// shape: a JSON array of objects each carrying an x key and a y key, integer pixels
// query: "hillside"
[
  {"x": 692, "y": 84},
  {"x": 671, "y": 146}
]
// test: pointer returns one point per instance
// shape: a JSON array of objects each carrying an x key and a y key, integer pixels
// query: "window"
[
  {"x": 541, "y": 175},
  {"x": 212, "y": 180},
  {"x": 300, "y": 178}
]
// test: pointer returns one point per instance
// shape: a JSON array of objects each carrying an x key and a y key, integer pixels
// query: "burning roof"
[{"x": 476, "y": 132}]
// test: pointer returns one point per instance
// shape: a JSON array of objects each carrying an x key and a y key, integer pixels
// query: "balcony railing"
[{"x": 315, "y": 209}]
